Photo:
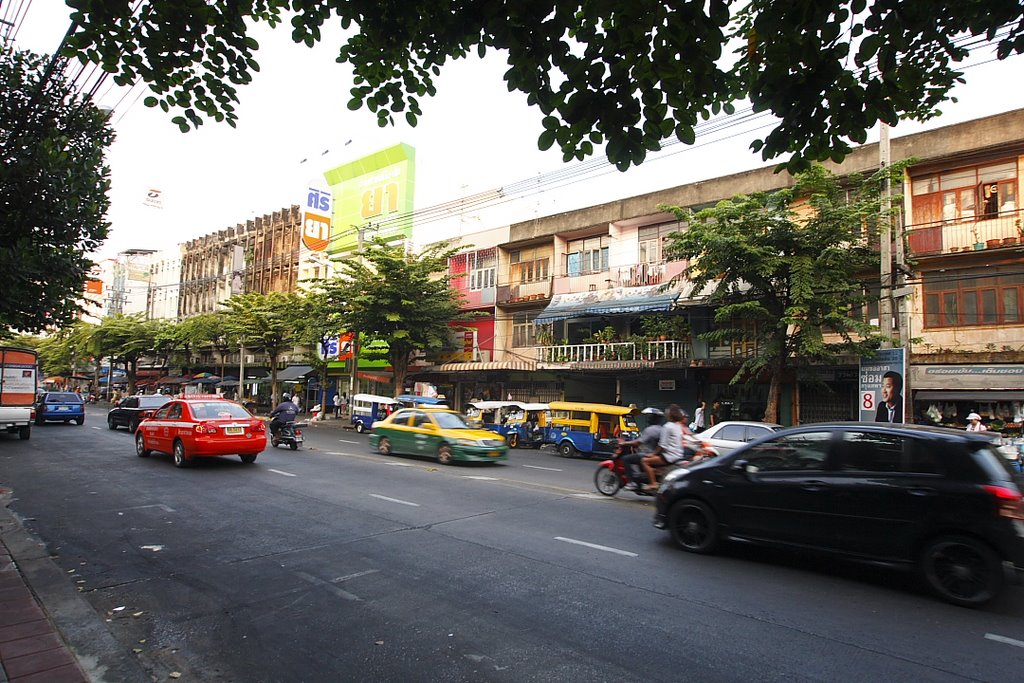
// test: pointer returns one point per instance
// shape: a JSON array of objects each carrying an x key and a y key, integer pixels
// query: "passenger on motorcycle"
[
  {"x": 645, "y": 444},
  {"x": 284, "y": 413},
  {"x": 670, "y": 448}
]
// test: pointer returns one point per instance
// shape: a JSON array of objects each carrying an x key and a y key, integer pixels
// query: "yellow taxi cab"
[
  {"x": 201, "y": 426},
  {"x": 440, "y": 434}
]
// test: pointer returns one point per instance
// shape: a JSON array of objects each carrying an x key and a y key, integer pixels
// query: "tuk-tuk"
[
  {"x": 413, "y": 401},
  {"x": 589, "y": 428},
  {"x": 525, "y": 427},
  {"x": 490, "y": 415},
  {"x": 368, "y": 408}
]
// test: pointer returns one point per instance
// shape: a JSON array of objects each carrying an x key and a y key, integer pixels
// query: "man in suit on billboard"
[{"x": 890, "y": 408}]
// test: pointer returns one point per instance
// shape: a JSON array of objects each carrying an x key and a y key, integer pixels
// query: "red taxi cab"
[{"x": 201, "y": 426}]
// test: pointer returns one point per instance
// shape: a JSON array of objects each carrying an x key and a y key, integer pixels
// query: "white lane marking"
[
  {"x": 93, "y": 427},
  {"x": 479, "y": 478},
  {"x": 344, "y": 441},
  {"x": 154, "y": 548},
  {"x": 287, "y": 474},
  {"x": 399, "y": 464},
  {"x": 538, "y": 467},
  {"x": 354, "y": 576},
  {"x": 596, "y": 547},
  {"x": 165, "y": 508},
  {"x": 328, "y": 585},
  {"x": 394, "y": 500},
  {"x": 1004, "y": 639},
  {"x": 334, "y": 453}
]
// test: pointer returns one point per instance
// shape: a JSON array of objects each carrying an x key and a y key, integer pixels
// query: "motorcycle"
[
  {"x": 290, "y": 434},
  {"x": 611, "y": 475}
]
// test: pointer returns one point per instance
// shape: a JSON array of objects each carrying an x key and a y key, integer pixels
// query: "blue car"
[{"x": 62, "y": 406}]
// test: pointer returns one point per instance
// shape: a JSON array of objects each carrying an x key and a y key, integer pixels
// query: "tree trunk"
[
  {"x": 131, "y": 368},
  {"x": 778, "y": 367},
  {"x": 273, "y": 378},
  {"x": 400, "y": 365}
]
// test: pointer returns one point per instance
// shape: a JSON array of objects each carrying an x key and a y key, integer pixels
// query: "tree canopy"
[
  {"x": 625, "y": 74},
  {"x": 786, "y": 270},
  {"x": 267, "y": 322},
  {"x": 53, "y": 193},
  {"x": 405, "y": 300}
]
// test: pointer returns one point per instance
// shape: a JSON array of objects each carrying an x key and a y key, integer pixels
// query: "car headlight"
[
  {"x": 467, "y": 442},
  {"x": 675, "y": 474}
]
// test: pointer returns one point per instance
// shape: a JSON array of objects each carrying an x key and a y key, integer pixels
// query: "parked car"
[
  {"x": 60, "y": 406},
  {"x": 436, "y": 433},
  {"x": 191, "y": 428},
  {"x": 134, "y": 409},
  {"x": 728, "y": 436},
  {"x": 940, "y": 501}
]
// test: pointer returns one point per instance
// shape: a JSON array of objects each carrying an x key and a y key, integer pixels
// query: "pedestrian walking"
[
  {"x": 698, "y": 417},
  {"x": 337, "y": 406},
  {"x": 297, "y": 400},
  {"x": 344, "y": 403}
]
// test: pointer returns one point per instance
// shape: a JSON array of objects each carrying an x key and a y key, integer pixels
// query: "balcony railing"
[
  {"x": 984, "y": 232},
  {"x": 652, "y": 351}
]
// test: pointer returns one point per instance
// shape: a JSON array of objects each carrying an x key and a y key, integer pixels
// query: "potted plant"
[
  {"x": 978, "y": 244},
  {"x": 656, "y": 326}
]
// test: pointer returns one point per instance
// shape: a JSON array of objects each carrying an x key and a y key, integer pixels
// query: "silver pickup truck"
[{"x": 18, "y": 367}]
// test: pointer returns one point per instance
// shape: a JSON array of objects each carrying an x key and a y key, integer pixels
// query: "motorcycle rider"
[
  {"x": 670, "y": 448},
  {"x": 284, "y": 413},
  {"x": 645, "y": 444}
]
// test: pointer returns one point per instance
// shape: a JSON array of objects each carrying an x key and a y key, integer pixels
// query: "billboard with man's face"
[{"x": 881, "y": 387}]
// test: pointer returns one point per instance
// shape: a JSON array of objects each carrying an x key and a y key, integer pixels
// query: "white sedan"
[{"x": 728, "y": 436}]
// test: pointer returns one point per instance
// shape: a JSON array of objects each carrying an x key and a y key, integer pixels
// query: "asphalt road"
[{"x": 333, "y": 563}]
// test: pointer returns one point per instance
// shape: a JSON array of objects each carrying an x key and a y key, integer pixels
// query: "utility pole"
[{"x": 885, "y": 237}]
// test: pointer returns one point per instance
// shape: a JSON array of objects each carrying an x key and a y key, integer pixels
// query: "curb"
[{"x": 99, "y": 655}]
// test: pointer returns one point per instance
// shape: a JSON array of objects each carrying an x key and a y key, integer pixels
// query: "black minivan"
[{"x": 940, "y": 501}]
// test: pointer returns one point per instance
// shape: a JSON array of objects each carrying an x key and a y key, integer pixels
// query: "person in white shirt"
[
  {"x": 698, "y": 417},
  {"x": 974, "y": 423},
  {"x": 337, "y": 405},
  {"x": 297, "y": 400},
  {"x": 670, "y": 445}
]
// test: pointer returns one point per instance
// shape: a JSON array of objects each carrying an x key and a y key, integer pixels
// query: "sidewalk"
[{"x": 36, "y": 596}]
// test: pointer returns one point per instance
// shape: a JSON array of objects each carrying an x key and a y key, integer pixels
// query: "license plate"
[
  {"x": 63, "y": 408},
  {"x": 234, "y": 430},
  {"x": 493, "y": 454}
]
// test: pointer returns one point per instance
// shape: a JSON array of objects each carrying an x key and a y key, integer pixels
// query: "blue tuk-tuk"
[
  {"x": 413, "y": 401},
  {"x": 525, "y": 427},
  {"x": 368, "y": 408},
  {"x": 589, "y": 428}
]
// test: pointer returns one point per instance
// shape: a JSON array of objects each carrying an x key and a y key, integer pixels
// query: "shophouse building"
[{"x": 576, "y": 293}]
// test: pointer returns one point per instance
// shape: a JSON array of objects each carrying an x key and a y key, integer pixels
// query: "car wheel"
[
  {"x": 694, "y": 526},
  {"x": 110, "y": 423},
  {"x": 180, "y": 459},
  {"x": 962, "y": 570},
  {"x": 444, "y": 454},
  {"x": 248, "y": 458},
  {"x": 79, "y": 421},
  {"x": 566, "y": 449},
  {"x": 384, "y": 446},
  {"x": 606, "y": 481},
  {"x": 513, "y": 440},
  {"x": 133, "y": 426},
  {"x": 140, "y": 446},
  {"x": 25, "y": 433},
  {"x": 360, "y": 428}
]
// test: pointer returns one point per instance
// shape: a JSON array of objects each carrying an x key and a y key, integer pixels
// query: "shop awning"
[
  {"x": 979, "y": 396},
  {"x": 381, "y": 376},
  {"x": 616, "y": 301},
  {"x": 293, "y": 372},
  {"x": 513, "y": 365}
]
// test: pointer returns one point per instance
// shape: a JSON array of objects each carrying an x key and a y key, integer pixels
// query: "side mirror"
[{"x": 739, "y": 466}]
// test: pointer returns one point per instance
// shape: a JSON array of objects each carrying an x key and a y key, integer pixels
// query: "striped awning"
[{"x": 483, "y": 366}]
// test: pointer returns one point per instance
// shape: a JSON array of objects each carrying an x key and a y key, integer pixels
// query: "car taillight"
[
  {"x": 259, "y": 427},
  {"x": 1009, "y": 502},
  {"x": 298, "y": 432},
  {"x": 206, "y": 428}
]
